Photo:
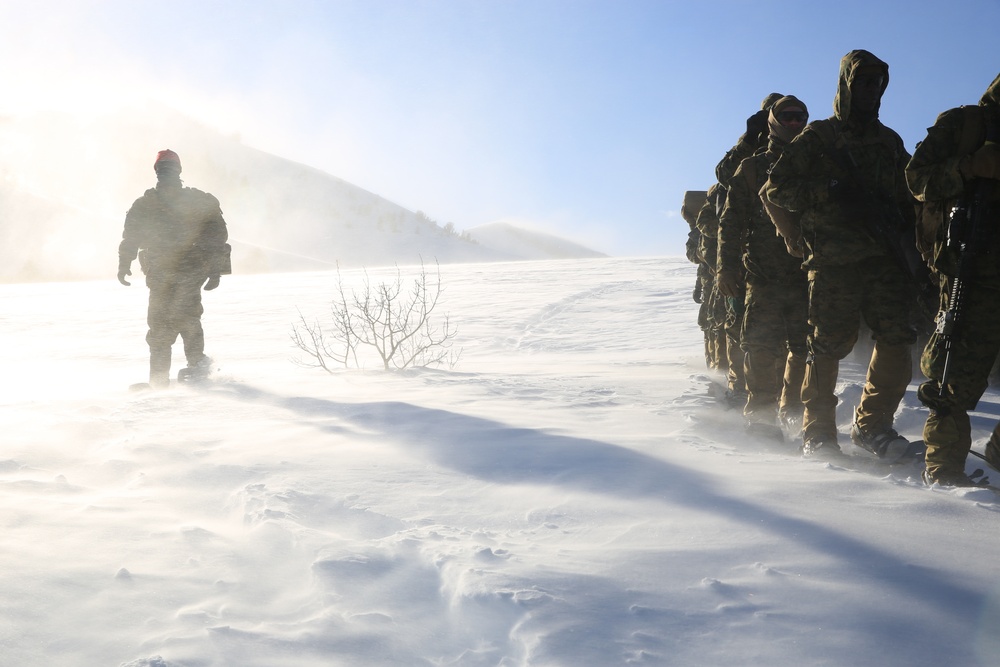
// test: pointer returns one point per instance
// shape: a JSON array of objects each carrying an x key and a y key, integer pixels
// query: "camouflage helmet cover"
[{"x": 850, "y": 65}]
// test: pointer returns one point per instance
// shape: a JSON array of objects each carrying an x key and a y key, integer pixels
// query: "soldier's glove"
[
  {"x": 212, "y": 283},
  {"x": 728, "y": 283},
  {"x": 756, "y": 124},
  {"x": 984, "y": 163},
  {"x": 124, "y": 269}
]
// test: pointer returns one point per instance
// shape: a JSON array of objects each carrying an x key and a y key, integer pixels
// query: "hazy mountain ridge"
[
  {"x": 66, "y": 182},
  {"x": 528, "y": 244}
]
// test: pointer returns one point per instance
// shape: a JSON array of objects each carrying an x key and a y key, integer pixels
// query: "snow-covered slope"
[
  {"x": 523, "y": 243},
  {"x": 571, "y": 494}
]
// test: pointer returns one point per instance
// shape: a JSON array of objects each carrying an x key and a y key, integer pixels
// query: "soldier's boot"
[
  {"x": 790, "y": 403},
  {"x": 993, "y": 448},
  {"x": 819, "y": 399},
  {"x": 159, "y": 367},
  {"x": 889, "y": 373},
  {"x": 948, "y": 436}
]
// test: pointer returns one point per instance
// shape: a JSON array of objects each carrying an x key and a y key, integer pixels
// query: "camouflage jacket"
[
  {"x": 747, "y": 236},
  {"x": 179, "y": 230},
  {"x": 834, "y": 230},
  {"x": 745, "y": 147},
  {"x": 707, "y": 224},
  {"x": 935, "y": 180}
]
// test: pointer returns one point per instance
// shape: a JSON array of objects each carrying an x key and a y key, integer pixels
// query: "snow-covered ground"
[{"x": 570, "y": 494}]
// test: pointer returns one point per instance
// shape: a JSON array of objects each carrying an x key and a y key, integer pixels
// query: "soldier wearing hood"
[
  {"x": 960, "y": 156},
  {"x": 839, "y": 173},
  {"x": 775, "y": 326},
  {"x": 753, "y": 140},
  {"x": 694, "y": 200},
  {"x": 712, "y": 315},
  {"x": 182, "y": 237}
]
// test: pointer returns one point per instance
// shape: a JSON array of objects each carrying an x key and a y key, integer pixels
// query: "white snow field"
[{"x": 570, "y": 494}]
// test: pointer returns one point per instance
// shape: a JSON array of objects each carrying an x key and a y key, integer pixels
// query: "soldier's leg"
[
  {"x": 187, "y": 312},
  {"x": 889, "y": 374},
  {"x": 711, "y": 358},
  {"x": 711, "y": 317},
  {"x": 734, "y": 348},
  {"x": 946, "y": 432},
  {"x": 834, "y": 314},
  {"x": 887, "y": 308},
  {"x": 796, "y": 319},
  {"x": 763, "y": 339},
  {"x": 161, "y": 334}
]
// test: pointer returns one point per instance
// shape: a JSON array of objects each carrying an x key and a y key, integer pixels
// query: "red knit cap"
[{"x": 167, "y": 156}]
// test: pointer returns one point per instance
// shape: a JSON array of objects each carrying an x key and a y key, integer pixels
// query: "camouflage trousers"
[
  {"x": 712, "y": 320},
  {"x": 839, "y": 296},
  {"x": 775, "y": 329},
  {"x": 948, "y": 430},
  {"x": 174, "y": 309},
  {"x": 734, "y": 308}
]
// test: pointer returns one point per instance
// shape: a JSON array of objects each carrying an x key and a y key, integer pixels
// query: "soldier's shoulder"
[
  {"x": 200, "y": 194},
  {"x": 959, "y": 115},
  {"x": 824, "y": 129},
  {"x": 146, "y": 199},
  {"x": 888, "y": 134},
  {"x": 751, "y": 166}
]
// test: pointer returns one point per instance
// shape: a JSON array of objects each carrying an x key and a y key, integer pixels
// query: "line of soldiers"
[{"x": 813, "y": 230}]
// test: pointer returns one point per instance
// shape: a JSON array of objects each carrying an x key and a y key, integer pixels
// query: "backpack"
[{"x": 932, "y": 216}]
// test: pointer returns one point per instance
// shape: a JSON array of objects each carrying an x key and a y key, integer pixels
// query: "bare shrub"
[{"x": 386, "y": 317}]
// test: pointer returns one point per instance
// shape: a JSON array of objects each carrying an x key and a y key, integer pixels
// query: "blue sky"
[{"x": 584, "y": 118}]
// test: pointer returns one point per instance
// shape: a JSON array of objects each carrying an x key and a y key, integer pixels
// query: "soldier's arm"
[
  {"x": 733, "y": 223},
  {"x": 132, "y": 234},
  {"x": 213, "y": 237},
  {"x": 798, "y": 180},
  {"x": 726, "y": 169},
  {"x": 932, "y": 173},
  {"x": 708, "y": 225}
]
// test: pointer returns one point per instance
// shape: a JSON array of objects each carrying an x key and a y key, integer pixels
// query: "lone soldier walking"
[
  {"x": 956, "y": 168},
  {"x": 845, "y": 175},
  {"x": 179, "y": 236}
]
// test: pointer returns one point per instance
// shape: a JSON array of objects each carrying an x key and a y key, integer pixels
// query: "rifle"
[{"x": 966, "y": 236}]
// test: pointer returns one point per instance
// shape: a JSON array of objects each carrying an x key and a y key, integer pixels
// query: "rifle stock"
[{"x": 966, "y": 236}]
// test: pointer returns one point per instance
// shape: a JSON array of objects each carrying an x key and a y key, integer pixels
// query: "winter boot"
[
  {"x": 993, "y": 448},
  {"x": 196, "y": 372},
  {"x": 159, "y": 367},
  {"x": 815, "y": 448},
  {"x": 881, "y": 443},
  {"x": 946, "y": 477}
]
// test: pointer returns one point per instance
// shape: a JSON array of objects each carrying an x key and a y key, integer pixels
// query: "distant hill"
[
  {"x": 523, "y": 243},
  {"x": 66, "y": 182}
]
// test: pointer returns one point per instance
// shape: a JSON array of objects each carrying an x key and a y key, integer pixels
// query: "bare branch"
[{"x": 386, "y": 317}]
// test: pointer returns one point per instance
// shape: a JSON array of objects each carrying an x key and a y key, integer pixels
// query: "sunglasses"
[{"x": 792, "y": 116}]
